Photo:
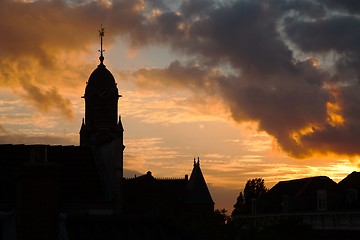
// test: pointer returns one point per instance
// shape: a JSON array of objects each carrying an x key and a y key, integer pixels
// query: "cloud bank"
[{"x": 290, "y": 66}]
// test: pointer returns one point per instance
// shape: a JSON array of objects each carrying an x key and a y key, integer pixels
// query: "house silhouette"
[{"x": 315, "y": 205}]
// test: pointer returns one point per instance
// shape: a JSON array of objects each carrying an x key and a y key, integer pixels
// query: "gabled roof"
[
  {"x": 351, "y": 181},
  {"x": 302, "y": 186},
  {"x": 349, "y": 192}
]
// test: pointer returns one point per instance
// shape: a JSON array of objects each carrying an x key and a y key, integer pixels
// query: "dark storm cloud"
[
  {"x": 189, "y": 76},
  {"x": 191, "y": 9},
  {"x": 239, "y": 35},
  {"x": 309, "y": 108},
  {"x": 283, "y": 94},
  {"x": 288, "y": 97},
  {"x": 41, "y": 29},
  {"x": 313, "y": 9},
  {"x": 341, "y": 34},
  {"x": 282, "y": 105},
  {"x": 351, "y": 6}
]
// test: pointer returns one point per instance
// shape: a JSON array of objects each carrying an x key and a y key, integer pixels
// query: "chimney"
[{"x": 37, "y": 200}]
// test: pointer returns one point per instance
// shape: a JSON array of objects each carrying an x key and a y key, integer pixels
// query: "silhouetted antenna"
[{"x": 101, "y": 34}]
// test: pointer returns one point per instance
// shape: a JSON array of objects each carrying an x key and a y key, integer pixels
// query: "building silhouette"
[
  {"x": 315, "y": 205},
  {"x": 79, "y": 192}
]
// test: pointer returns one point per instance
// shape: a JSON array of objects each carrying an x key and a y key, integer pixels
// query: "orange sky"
[{"x": 239, "y": 85}]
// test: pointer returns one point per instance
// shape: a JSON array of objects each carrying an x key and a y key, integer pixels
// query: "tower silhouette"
[
  {"x": 102, "y": 130},
  {"x": 102, "y": 123}
]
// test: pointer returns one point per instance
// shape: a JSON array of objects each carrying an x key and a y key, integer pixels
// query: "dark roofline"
[{"x": 302, "y": 179}]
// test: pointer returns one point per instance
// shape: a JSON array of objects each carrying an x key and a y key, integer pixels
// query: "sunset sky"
[{"x": 254, "y": 88}]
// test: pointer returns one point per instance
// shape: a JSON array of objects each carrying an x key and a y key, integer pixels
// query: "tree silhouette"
[
  {"x": 239, "y": 206},
  {"x": 221, "y": 216},
  {"x": 254, "y": 190}
]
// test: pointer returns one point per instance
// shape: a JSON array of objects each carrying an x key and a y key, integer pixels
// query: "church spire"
[
  {"x": 198, "y": 192},
  {"x": 101, "y": 34}
]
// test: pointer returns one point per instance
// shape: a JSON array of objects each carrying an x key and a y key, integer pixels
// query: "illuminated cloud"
[
  {"x": 46, "y": 40},
  {"x": 287, "y": 96},
  {"x": 7, "y": 137},
  {"x": 269, "y": 62},
  {"x": 146, "y": 154},
  {"x": 48, "y": 100}
]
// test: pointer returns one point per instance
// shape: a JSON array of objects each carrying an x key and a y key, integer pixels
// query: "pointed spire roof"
[{"x": 197, "y": 188}]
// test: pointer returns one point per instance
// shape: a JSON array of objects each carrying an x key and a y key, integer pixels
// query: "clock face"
[{"x": 103, "y": 93}]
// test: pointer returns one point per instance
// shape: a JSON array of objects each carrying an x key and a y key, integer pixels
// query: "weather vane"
[{"x": 101, "y": 34}]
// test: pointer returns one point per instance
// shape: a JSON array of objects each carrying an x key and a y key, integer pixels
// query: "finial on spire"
[
  {"x": 196, "y": 163},
  {"x": 101, "y": 34}
]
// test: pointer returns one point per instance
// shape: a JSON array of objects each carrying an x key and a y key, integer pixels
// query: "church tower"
[
  {"x": 102, "y": 124},
  {"x": 101, "y": 128}
]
